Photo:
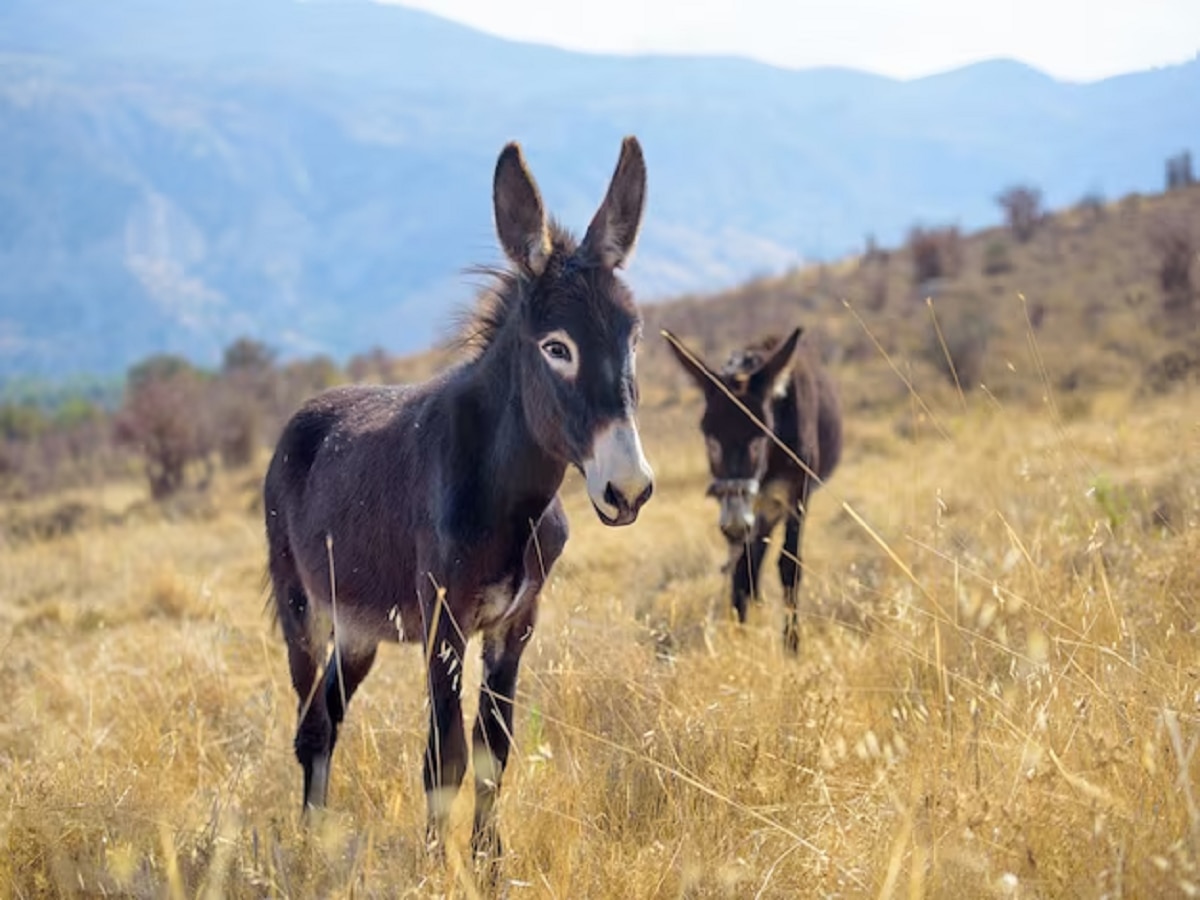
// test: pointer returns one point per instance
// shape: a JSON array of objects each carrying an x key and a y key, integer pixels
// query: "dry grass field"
[{"x": 998, "y": 692}]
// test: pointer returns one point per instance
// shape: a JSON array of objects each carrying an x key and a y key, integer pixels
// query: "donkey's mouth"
[
  {"x": 627, "y": 512},
  {"x": 624, "y": 517}
]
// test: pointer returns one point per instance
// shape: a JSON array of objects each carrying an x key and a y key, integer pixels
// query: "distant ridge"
[{"x": 175, "y": 173}]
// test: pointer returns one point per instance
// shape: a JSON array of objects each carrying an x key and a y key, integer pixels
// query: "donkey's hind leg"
[
  {"x": 347, "y": 668},
  {"x": 306, "y": 651}
]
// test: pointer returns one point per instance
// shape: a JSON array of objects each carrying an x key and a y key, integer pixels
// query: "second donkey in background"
[{"x": 758, "y": 483}]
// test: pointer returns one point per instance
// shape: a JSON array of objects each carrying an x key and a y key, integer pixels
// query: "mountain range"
[{"x": 178, "y": 173}]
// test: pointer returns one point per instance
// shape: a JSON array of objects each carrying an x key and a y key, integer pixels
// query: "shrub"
[
  {"x": 996, "y": 259},
  {"x": 1022, "y": 205},
  {"x": 1175, "y": 243},
  {"x": 936, "y": 252},
  {"x": 966, "y": 332},
  {"x": 165, "y": 420}
]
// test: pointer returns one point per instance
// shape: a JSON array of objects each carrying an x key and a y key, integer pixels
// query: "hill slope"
[{"x": 317, "y": 174}]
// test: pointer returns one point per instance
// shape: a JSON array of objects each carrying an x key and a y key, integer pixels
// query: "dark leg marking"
[
  {"x": 746, "y": 572},
  {"x": 446, "y": 753},
  {"x": 492, "y": 738},
  {"x": 314, "y": 729},
  {"x": 790, "y": 573}
]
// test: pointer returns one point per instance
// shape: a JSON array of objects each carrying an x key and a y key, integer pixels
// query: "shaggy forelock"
[{"x": 504, "y": 288}]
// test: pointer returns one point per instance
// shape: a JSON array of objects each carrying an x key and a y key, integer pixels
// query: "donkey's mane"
[{"x": 501, "y": 294}]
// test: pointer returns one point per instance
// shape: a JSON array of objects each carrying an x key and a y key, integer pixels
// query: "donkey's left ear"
[
  {"x": 770, "y": 373},
  {"x": 614, "y": 229}
]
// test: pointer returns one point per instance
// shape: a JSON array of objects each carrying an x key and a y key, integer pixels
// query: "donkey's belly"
[{"x": 370, "y": 623}]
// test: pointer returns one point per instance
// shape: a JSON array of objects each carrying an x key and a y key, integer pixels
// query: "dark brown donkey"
[
  {"x": 759, "y": 484},
  {"x": 429, "y": 512}
]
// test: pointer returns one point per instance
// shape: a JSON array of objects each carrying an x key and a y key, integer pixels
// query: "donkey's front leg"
[
  {"x": 791, "y": 567},
  {"x": 790, "y": 573},
  {"x": 745, "y": 572},
  {"x": 493, "y": 730},
  {"x": 446, "y": 754}
]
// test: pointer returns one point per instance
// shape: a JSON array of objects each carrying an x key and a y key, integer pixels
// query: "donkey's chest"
[
  {"x": 496, "y": 600},
  {"x": 774, "y": 500}
]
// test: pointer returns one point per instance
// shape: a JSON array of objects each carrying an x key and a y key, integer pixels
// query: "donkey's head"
[
  {"x": 738, "y": 447},
  {"x": 578, "y": 330}
]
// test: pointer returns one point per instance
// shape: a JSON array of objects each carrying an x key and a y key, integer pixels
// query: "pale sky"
[{"x": 1076, "y": 40}]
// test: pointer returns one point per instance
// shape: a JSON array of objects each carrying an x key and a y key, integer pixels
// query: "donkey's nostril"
[
  {"x": 613, "y": 498},
  {"x": 643, "y": 497}
]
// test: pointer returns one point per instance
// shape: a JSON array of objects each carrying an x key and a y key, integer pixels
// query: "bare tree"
[
  {"x": 165, "y": 418},
  {"x": 1022, "y": 205}
]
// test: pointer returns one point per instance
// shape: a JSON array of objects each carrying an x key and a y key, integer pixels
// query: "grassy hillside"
[
  {"x": 996, "y": 694},
  {"x": 1075, "y": 311}
]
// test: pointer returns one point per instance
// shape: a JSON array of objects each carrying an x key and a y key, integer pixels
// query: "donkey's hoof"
[{"x": 791, "y": 640}]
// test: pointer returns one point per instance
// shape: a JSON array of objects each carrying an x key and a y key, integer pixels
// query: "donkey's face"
[
  {"x": 738, "y": 448},
  {"x": 579, "y": 331}
]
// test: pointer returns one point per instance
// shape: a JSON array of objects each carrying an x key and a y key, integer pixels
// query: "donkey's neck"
[{"x": 516, "y": 474}]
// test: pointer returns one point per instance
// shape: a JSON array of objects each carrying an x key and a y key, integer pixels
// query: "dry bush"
[
  {"x": 877, "y": 294},
  {"x": 166, "y": 419},
  {"x": 42, "y": 451},
  {"x": 997, "y": 260},
  {"x": 1175, "y": 244},
  {"x": 1022, "y": 205},
  {"x": 1176, "y": 368},
  {"x": 935, "y": 252},
  {"x": 956, "y": 340},
  {"x": 241, "y": 400},
  {"x": 238, "y": 423}
]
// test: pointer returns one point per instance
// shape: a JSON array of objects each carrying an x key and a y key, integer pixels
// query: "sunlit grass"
[{"x": 997, "y": 693}]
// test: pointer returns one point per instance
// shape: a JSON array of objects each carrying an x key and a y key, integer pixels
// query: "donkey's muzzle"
[
  {"x": 738, "y": 497},
  {"x": 619, "y": 480},
  {"x": 736, "y": 526}
]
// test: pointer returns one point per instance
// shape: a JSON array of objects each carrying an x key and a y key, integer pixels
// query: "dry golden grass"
[{"x": 998, "y": 693}]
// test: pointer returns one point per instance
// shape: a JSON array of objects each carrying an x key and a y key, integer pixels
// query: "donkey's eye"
[{"x": 557, "y": 351}]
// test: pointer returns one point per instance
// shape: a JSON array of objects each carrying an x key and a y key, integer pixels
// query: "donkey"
[
  {"x": 429, "y": 512},
  {"x": 757, "y": 482}
]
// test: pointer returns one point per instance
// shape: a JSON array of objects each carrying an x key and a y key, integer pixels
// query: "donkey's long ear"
[
  {"x": 520, "y": 214},
  {"x": 692, "y": 364},
  {"x": 768, "y": 375},
  {"x": 614, "y": 229}
]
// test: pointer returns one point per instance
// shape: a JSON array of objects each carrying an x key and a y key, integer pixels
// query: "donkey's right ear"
[
  {"x": 691, "y": 363},
  {"x": 614, "y": 228},
  {"x": 520, "y": 214}
]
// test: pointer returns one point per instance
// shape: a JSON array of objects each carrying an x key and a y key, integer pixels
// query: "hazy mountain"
[{"x": 174, "y": 173}]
